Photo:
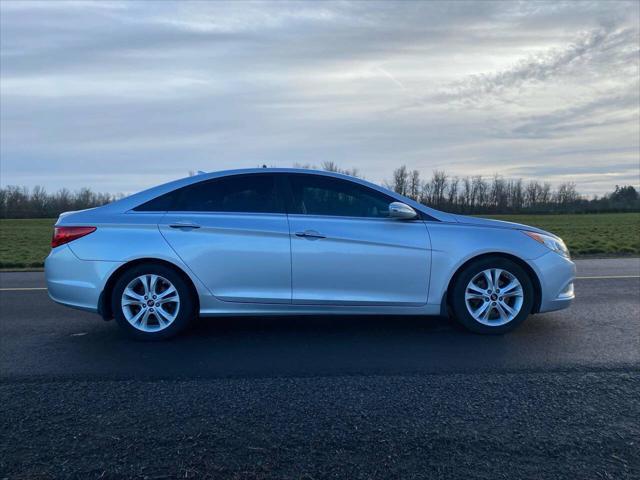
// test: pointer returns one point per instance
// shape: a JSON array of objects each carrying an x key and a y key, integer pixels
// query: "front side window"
[
  {"x": 237, "y": 193},
  {"x": 318, "y": 195}
]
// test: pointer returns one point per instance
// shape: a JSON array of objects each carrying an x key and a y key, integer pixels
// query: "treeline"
[
  {"x": 496, "y": 194},
  {"x": 20, "y": 202},
  {"x": 470, "y": 195}
]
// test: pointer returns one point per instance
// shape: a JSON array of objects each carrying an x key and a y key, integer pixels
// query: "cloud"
[
  {"x": 617, "y": 50},
  {"x": 614, "y": 109},
  {"x": 122, "y": 95}
]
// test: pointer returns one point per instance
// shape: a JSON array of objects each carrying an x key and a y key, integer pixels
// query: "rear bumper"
[
  {"x": 73, "y": 282},
  {"x": 556, "y": 274}
]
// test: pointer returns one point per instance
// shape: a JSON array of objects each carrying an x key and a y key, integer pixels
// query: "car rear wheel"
[
  {"x": 152, "y": 302},
  {"x": 492, "y": 295}
]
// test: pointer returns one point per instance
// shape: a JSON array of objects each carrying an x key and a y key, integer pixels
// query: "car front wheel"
[{"x": 492, "y": 295}]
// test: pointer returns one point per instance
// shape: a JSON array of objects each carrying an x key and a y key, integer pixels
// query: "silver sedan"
[{"x": 296, "y": 242}]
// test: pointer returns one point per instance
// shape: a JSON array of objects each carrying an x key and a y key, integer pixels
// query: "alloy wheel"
[
  {"x": 494, "y": 297},
  {"x": 150, "y": 303}
]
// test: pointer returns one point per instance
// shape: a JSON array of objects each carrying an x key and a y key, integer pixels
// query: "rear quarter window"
[{"x": 256, "y": 193}]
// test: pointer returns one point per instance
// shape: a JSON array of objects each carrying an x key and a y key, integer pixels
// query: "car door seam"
[
  {"x": 184, "y": 264},
  {"x": 290, "y": 261},
  {"x": 430, "y": 266}
]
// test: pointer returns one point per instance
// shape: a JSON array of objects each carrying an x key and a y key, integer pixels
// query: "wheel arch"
[
  {"x": 104, "y": 302},
  {"x": 537, "y": 288}
]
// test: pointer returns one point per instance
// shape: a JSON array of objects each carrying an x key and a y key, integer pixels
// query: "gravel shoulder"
[{"x": 484, "y": 426}]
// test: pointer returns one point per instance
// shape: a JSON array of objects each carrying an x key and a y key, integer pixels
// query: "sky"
[{"x": 120, "y": 96}]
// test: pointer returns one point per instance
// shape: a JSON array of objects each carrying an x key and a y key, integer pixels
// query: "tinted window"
[
  {"x": 238, "y": 193},
  {"x": 159, "y": 204},
  {"x": 317, "y": 195}
]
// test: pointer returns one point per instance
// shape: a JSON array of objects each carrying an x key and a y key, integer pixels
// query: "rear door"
[
  {"x": 233, "y": 234},
  {"x": 345, "y": 250}
]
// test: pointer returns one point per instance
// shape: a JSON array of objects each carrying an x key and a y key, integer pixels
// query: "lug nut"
[
  {"x": 154, "y": 297},
  {"x": 493, "y": 303}
]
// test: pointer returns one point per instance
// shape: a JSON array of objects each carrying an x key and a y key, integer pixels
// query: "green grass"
[
  {"x": 591, "y": 234},
  {"x": 25, "y": 243}
]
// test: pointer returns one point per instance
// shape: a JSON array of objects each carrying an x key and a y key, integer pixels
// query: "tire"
[
  {"x": 486, "y": 313},
  {"x": 166, "y": 310}
]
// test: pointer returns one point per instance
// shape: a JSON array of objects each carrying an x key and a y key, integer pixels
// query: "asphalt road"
[{"x": 324, "y": 397}]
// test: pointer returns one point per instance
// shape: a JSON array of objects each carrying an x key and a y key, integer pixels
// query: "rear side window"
[
  {"x": 238, "y": 193},
  {"x": 159, "y": 204},
  {"x": 318, "y": 195}
]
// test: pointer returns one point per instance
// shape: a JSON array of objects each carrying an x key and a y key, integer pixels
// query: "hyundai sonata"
[{"x": 294, "y": 242}]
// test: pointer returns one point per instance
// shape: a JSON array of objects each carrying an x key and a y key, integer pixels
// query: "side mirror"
[{"x": 401, "y": 211}]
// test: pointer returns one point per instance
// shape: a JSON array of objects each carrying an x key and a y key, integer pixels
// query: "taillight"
[{"x": 62, "y": 235}]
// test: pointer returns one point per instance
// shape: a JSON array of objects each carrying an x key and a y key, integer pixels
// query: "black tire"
[
  {"x": 185, "y": 314},
  {"x": 458, "y": 303}
]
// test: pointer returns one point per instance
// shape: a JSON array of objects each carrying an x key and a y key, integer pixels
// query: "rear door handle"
[
  {"x": 310, "y": 234},
  {"x": 184, "y": 225}
]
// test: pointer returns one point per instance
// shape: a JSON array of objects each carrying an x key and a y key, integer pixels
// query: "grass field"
[
  {"x": 25, "y": 243},
  {"x": 592, "y": 234}
]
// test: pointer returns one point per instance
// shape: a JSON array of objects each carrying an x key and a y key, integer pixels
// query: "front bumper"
[
  {"x": 556, "y": 274},
  {"x": 73, "y": 282}
]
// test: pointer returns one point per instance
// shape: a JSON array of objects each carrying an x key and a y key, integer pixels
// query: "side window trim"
[
  {"x": 286, "y": 191},
  {"x": 345, "y": 217},
  {"x": 214, "y": 212}
]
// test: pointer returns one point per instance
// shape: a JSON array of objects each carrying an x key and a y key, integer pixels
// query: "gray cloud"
[
  {"x": 544, "y": 66},
  {"x": 615, "y": 109},
  {"x": 616, "y": 50},
  {"x": 121, "y": 95}
]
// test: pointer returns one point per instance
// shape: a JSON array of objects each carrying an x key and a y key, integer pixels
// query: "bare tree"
[
  {"x": 545, "y": 194},
  {"x": 532, "y": 194},
  {"x": 515, "y": 194},
  {"x": 330, "y": 166},
  {"x": 479, "y": 192},
  {"x": 401, "y": 180},
  {"x": 452, "y": 193},
  {"x": 438, "y": 188},
  {"x": 466, "y": 194},
  {"x": 415, "y": 185},
  {"x": 425, "y": 193},
  {"x": 566, "y": 194},
  {"x": 498, "y": 193}
]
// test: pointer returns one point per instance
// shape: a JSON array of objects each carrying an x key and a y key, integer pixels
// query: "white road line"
[
  {"x": 604, "y": 277},
  {"x": 608, "y": 277},
  {"x": 22, "y": 289}
]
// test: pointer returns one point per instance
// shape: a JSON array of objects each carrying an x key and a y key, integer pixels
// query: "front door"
[{"x": 345, "y": 250}]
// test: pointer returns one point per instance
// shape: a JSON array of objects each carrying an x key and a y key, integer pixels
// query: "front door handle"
[
  {"x": 310, "y": 234},
  {"x": 184, "y": 225}
]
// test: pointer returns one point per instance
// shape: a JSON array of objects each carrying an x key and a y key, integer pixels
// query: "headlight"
[{"x": 552, "y": 243}]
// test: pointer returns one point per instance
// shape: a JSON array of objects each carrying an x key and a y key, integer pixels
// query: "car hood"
[{"x": 486, "y": 222}]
